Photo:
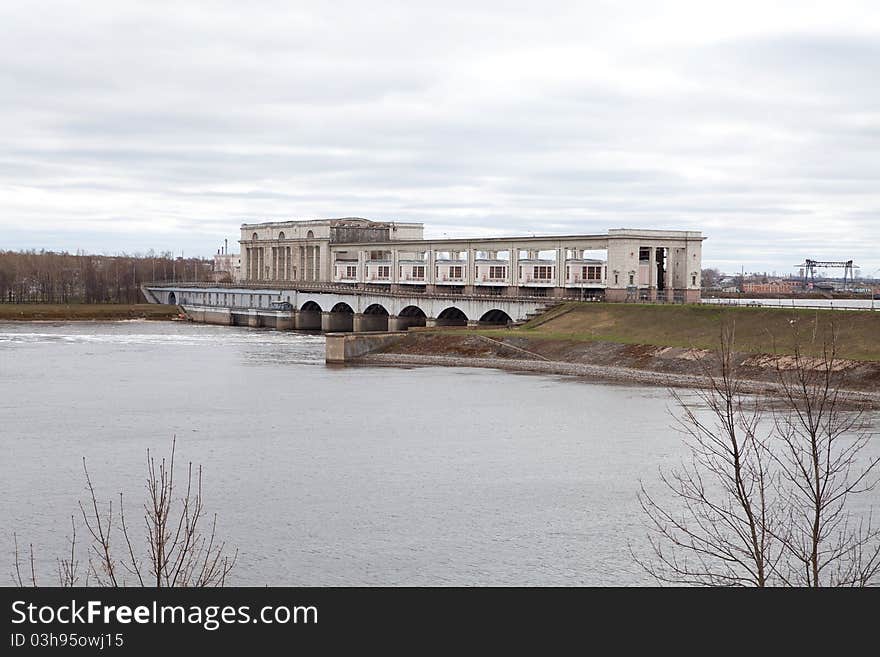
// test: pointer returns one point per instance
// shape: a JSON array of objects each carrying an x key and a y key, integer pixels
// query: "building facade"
[
  {"x": 620, "y": 265},
  {"x": 784, "y": 286},
  {"x": 227, "y": 266}
]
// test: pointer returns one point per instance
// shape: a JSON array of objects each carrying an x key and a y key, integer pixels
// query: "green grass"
[
  {"x": 758, "y": 330},
  {"x": 85, "y": 311}
]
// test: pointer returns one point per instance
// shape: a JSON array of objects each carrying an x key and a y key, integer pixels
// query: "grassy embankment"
[
  {"x": 85, "y": 311},
  {"x": 758, "y": 330}
]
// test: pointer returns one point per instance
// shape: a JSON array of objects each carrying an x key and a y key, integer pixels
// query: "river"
[{"x": 332, "y": 475}]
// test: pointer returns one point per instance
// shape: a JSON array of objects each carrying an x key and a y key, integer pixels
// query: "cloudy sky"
[{"x": 126, "y": 126}]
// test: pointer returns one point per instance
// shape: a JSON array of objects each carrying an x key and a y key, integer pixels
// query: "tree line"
[{"x": 50, "y": 277}]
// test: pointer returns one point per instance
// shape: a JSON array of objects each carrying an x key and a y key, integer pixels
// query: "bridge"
[{"x": 337, "y": 308}]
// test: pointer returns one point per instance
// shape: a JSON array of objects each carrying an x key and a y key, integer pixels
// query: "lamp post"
[{"x": 876, "y": 271}]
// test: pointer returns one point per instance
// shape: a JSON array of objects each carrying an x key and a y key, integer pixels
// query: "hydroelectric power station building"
[{"x": 353, "y": 273}]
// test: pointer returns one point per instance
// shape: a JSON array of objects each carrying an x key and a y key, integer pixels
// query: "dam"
[
  {"x": 353, "y": 274},
  {"x": 339, "y": 309}
]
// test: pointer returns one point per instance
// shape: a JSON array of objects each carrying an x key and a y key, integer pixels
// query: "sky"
[{"x": 130, "y": 126}]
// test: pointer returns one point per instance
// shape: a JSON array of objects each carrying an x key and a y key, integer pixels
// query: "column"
[
  {"x": 317, "y": 263},
  {"x": 325, "y": 263},
  {"x": 652, "y": 274},
  {"x": 395, "y": 269},
  {"x": 361, "y": 272},
  {"x": 470, "y": 272},
  {"x": 513, "y": 274},
  {"x": 560, "y": 266},
  {"x": 431, "y": 270}
]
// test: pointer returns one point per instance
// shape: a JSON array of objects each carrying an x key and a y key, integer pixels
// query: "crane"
[{"x": 809, "y": 266}]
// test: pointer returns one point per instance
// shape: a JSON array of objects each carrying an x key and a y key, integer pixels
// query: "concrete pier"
[
  {"x": 308, "y": 320},
  {"x": 344, "y": 347},
  {"x": 363, "y": 323},
  {"x": 398, "y": 323},
  {"x": 336, "y": 322}
]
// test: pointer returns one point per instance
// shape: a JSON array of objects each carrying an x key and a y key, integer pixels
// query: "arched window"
[
  {"x": 281, "y": 235},
  {"x": 254, "y": 238},
  {"x": 310, "y": 235}
]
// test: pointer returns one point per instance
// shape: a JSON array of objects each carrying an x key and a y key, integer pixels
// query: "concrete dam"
[{"x": 332, "y": 308}]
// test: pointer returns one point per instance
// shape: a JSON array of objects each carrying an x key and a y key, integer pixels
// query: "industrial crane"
[{"x": 809, "y": 266}]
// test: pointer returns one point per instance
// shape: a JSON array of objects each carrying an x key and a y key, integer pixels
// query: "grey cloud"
[{"x": 129, "y": 127}]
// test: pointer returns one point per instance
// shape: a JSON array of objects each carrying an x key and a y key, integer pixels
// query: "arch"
[
  {"x": 310, "y": 235},
  {"x": 495, "y": 316},
  {"x": 309, "y": 317},
  {"x": 281, "y": 235},
  {"x": 412, "y": 311},
  {"x": 452, "y": 316},
  {"x": 172, "y": 299},
  {"x": 410, "y": 316},
  {"x": 254, "y": 237},
  {"x": 342, "y": 307},
  {"x": 375, "y": 309}
]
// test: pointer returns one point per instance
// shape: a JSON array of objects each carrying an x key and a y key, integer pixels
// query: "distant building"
[
  {"x": 785, "y": 286},
  {"x": 226, "y": 268}
]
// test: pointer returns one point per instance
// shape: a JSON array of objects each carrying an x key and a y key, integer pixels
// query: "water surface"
[{"x": 332, "y": 475}]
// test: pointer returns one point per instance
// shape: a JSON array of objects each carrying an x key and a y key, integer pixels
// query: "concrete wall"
[
  {"x": 342, "y": 347},
  {"x": 204, "y": 315},
  {"x": 394, "y": 304}
]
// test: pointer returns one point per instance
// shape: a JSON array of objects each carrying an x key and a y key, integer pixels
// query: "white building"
[{"x": 623, "y": 264}]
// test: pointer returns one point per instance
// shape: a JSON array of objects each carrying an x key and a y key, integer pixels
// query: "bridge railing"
[{"x": 359, "y": 289}]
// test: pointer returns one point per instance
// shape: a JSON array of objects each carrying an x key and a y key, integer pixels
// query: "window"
[
  {"x": 543, "y": 273},
  {"x": 496, "y": 273},
  {"x": 632, "y": 279},
  {"x": 693, "y": 280},
  {"x": 591, "y": 273},
  {"x": 254, "y": 237},
  {"x": 383, "y": 271},
  {"x": 455, "y": 271},
  {"x": 281, "y": 235},
  {"x": 351, "y": 271},
  {"x": 418, "y": 271}
]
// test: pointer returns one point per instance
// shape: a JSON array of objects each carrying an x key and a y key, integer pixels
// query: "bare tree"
[
  {"x": 181, "y": 544},
  {"x": 710, "y": 277},
  {"x": 765, "y": 496},
  {"x": 723, "y": 531},
  {"x": 823, "y": 435},
  {"x": 49, "y": 277}
]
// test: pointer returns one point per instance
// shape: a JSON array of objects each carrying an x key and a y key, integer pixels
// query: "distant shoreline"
[
  {"x": 29, "y": 312},
  {"x": 595, "y": 373}
]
